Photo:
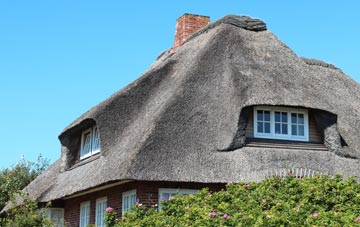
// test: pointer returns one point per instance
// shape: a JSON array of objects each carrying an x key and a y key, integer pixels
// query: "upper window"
[
  {"x": 272, "y": 122},
  {"x": 90, "y": 142},
  {"x": 101, "y": 205},
  {"x": 128, "y": 200}
]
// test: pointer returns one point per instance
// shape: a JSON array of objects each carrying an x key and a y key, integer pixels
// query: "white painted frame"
[
  {"x": 174, "y": 191},
  {"x": 60, "y": 219},
  {"x": 86, "y": 205},
  {"x": 92, "y": 139},
  {"x": 100, "y": 222},
  {"x": 272, "y": 134},
  {"x": 128, "y": 194}
]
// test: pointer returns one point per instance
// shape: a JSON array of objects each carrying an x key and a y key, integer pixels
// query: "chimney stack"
[{"x": 186, "y": 25}]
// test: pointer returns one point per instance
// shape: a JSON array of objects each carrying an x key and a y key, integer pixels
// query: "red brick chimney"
[{"x": 186, "y": 25}]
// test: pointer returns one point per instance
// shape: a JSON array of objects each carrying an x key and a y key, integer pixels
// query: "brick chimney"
[{"x": 186, "y": 25}]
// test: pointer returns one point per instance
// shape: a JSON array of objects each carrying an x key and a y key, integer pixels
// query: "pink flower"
[
  {"x": 162, "y": 198},
  {"x": 108, "y": 209},
  {"x": 213, "y": 214},
  {"x": 358, "y": 219},
  {"x": 171, "y": 198},
  {"x": 229, "y": 182},
  {"x": 315, "y": 215},
  {"x": 264, "y": 200},
  {"x": 139, "y": 204},
  {"x": 225, "y": 216},
  {"x": 247, "y": 185}
]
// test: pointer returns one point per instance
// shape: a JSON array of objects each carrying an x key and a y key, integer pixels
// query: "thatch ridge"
[{"x": 170, "y": 124}]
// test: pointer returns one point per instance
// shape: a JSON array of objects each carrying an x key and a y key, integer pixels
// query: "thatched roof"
[{"x": 172, "y": 122}]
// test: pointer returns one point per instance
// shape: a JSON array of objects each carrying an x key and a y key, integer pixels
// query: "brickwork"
[
  {"x": 147, "y": 194},
  {"x": 186, "y": 25}
]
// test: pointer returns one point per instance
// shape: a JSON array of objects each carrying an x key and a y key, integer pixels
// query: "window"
[
  {"x": 56, "y": 216},
  {"x": 90, "y": 142},
  {"x": 281, "y": 123},
  {"x": 84, "y": 214},
  {"x": 101, "y": 205},
  {"x": 167, "y": 193},
  {"x": 128, "y": 200}
]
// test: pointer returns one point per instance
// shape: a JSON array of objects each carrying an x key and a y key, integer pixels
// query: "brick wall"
[
  {"x": 147, "y": 194},
  {"x": 186, "y": 25}
]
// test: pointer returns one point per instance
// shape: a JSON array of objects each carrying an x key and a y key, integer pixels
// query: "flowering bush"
[{"x": 317, "y": 201}]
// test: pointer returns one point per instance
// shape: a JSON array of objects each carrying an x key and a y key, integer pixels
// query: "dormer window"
[
  {"x": 90, "y": 142},
  {"x": 272, "y": 122}
]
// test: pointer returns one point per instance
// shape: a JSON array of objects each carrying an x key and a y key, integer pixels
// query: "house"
[{"x": 229, "y": 101}]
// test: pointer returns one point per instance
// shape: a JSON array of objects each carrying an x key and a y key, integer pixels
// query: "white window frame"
[
  {"x": 92, "y": 139},
  {"x": 100, "y": 211},
  {"x": 58, "y": 221},
  {"x": 288, "y": 136},
  {"x": 86, "y": 206},
  {"x": 128, "y": 194},
  {"x": 174, "y": 191}
]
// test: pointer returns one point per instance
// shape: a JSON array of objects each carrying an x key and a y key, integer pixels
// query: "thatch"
[{"x": 173, "y": 123}]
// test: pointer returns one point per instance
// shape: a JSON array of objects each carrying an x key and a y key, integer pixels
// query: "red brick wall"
[
  {"x": 147, "y": 193},
  {"x": 186, "y": 25}
]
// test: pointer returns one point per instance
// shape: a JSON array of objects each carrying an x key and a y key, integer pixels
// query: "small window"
[
  {"x": 128, "y": 200},
  {"x": 167, "y": 193},
  {"x": 84, "y": 214},
  {"x": 101, "y": 205},
  {"x": 55, "y": 216},
  {"x": 90, "y": 142},
  {"x": 281, "y": 123}
]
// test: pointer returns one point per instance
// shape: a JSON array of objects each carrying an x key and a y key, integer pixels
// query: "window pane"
[
  {"x": 301, "y": 130},
  {"x": 96, "y": 141},
  {"x": 277, "y": 117},
  {"x": 260, "y": 127},
  {"x": 86, "y": 149},
  {"x": 267, "y": 127},
  {"x": 260, "y": 115},
  {"x": 300, "y": 118},
  {"x": 267, "y": 115},
  {"x": 284, "y": 117},
  {"x": 293, "y": 130},
  {"x": 293, "y": 118},
  {"x": 284, "y": 129},
  {"x": 277, "y": 128}
]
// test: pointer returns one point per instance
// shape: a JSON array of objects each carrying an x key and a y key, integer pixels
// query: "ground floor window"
[
  {"x": 273, "y": 122},
  {"x": 56, "y": 216},
  {"x": 128, "y": 200},
  {"x": 101, "y": 205},
  {"x": 84, "y": 214},
  {"x": 167, "y": 193}
]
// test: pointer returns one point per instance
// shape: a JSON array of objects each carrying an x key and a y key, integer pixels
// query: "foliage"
[
  {"x": 317, "y": 201},
  {"x": 25, "y": 215},
  {"x": 15, "y": 179}
]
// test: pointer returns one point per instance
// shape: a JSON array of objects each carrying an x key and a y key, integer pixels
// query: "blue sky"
[{"x": 60, "y": 58}]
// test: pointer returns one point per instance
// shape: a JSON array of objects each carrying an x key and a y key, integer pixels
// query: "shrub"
[{"x": 317, "y": 201}]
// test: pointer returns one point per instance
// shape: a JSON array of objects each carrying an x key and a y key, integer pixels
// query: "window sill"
[
  {"x": 85, "y": 161},
  {"x": 284, "y": 144}
]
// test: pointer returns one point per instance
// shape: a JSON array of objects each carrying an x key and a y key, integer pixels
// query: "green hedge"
[{"x": 317, "y": 201}]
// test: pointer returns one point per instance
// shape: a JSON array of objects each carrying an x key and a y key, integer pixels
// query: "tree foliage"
[
  {"x": 21, "y": 174},
  {"x": 317, "y": 201}
]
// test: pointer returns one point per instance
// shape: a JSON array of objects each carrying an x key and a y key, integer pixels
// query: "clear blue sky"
[{"x": 60, "y": 58}]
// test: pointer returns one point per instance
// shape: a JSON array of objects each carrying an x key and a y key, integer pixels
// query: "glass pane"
[
  {"x": 260, "y": 127},
  {"x": 301, "y": 130},
  {"x": 267, "y": 115},
  {"x": 277, "y": 117},
  {"x": 96, "y": 141},
  {"x": 267, "y": 127},
  {"x": 284, "y": 129},
  {"x": 300, "y": 118},
  {"x": 293, "y": 118},
  {"x": 293, "y": 130},
  {"x": 284, "y": 117},
  {"x": 260, "y": 115},
  {"x": 277, "y": 128}
]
